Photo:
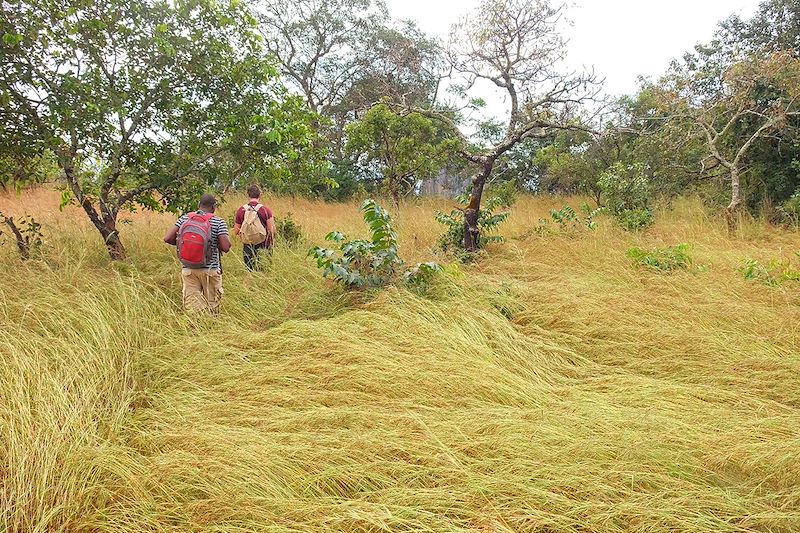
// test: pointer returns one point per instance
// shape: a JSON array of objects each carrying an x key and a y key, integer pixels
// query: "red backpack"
[{"x": 194, "y": 241}]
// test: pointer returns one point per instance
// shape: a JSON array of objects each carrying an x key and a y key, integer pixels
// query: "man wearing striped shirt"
[{"x": 202, "y": 287}]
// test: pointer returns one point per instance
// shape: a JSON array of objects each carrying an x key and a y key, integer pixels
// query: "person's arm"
[
  {"x": 223, "y": 239},
  {"x": 271, "y": 229},
  {"x": 237, "y": 226},
  {"x": 224, "y": 243},
  {"x": 172, "y": 236},
  {"x": 270, "y": 226}
]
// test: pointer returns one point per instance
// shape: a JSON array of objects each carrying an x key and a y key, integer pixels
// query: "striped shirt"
[{"x": 218, "y": 227}]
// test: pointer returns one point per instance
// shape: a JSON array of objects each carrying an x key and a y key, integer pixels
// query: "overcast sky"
[{"x": 622, "y": 39}]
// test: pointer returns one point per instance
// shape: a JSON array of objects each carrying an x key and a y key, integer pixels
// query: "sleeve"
[
  {"x": 180, "y": 221},
  {"x": 222, "y": 227},
  {"x": 239, "y": 216},
  {"x": 266, "y": 212}
]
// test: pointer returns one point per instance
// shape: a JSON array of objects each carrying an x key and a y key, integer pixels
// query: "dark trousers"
[{"x": 253, "y": 255}]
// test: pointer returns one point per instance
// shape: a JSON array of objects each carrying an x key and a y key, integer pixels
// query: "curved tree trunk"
[
  {"x": 111, "y": 237},
  {"x": 472, "y": 233},
  {"x": 107, "y": 226},
  {"x": 106, "y": 220},
  {"x": 23, "y": 244}
]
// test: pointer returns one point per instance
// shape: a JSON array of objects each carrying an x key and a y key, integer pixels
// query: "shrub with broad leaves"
[{"x": 369, "y": 263}]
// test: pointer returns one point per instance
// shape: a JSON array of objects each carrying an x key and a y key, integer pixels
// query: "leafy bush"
[
  {"x": 488, "y": 220},
  {"x": 662, "y": 259},
  {"x": 568, "y": 220},
  {"x": 419, "y": 276},
  {"x": 506, "y": 193},
  {"x": 26, "y": 233},
  {"x": 791, "y": 209},
  {"x": 287, "y": 230},
  {"x": 369, "y": 263},
  {"x": 773, "y": 273},
  {"x": 20, "y": 170},
  {"x": 628, "y": 195}
]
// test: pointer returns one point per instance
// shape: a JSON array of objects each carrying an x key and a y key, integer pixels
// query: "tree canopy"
[{"x": 145, "y": 103}]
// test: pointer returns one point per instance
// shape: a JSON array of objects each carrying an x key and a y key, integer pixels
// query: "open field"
[{"x": 551, "y": 387}]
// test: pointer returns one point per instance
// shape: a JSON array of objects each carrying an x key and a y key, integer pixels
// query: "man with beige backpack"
[{"x": 255, "y": 225}]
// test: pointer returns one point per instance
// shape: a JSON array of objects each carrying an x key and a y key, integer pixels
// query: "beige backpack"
[{"x": 252, "y": 231}]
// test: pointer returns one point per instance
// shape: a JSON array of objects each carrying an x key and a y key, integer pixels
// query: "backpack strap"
[{"x": 195, "y": 215}]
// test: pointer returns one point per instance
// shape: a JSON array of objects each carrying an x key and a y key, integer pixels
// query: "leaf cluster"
[
  {"x": 628, "y": 195},
  {"x": 662, "y": 259},
  {"x": 489, "y": 219},
  {"x": 369, "y": 263}
]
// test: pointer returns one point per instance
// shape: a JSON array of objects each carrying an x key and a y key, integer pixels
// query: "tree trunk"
[
  {"x": 107, "y": 226},
  {"x": 23, "y": 244},
  {"x": 111, "y": 237},
  {"x": 472, "y": 233},
  {"x": 733, "y": 209}
]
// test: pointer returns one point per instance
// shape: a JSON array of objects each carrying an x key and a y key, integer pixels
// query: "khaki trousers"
[{"x": 202, "y": 289}]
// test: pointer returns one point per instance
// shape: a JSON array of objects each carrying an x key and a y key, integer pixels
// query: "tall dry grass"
[{"x": 550, "y": 387}]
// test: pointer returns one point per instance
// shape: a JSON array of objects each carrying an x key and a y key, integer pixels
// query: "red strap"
[{"x": 204, "y": 217}]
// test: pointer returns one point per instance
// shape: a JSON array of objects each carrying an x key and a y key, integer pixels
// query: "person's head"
[
  {"x": 253, "y": 192},
  {"x": 208, "y": 203}
]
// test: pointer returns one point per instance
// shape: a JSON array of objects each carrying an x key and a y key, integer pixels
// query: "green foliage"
[
  {"x": 506, "y": 193},
  {"x": 420, "y": 276},
  {"x": 774, "y": 273},
  {"x": 19, "y": 169},
  {"x": 489, "y": 219},
  {"x": 627, "y": 195},
  {"x": 287, "y": 230},
  {"x": 405, "y": 147},
  {"x": 569, "y": 164},
  {"x": 791, "y": 209},
  {"x": 149, "y": 104},
  {"x": 662, "y": 259},
  {"x": 636, "y": 219},
  {"x": 742, "y": 86},
  {"x": 568, "y": 221},
  {"x": 26, "y": 234},
  {"x": 564, "y": 217},
  {"x": 370, "y": 263}
]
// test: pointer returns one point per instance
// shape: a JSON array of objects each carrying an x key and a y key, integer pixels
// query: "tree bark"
[
  {"x": 732, "y": 211},
  {"x": 23, "y": 244},
  {"x": 105, "y": 221},
  {"x": 111, "y": 237},
  {"x": 472, "y": 233}
]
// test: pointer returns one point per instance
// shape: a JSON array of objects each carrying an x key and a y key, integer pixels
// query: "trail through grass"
[{"x": 550, "y": 387}]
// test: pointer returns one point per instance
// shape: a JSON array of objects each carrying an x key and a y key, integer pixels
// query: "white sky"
[{"x": 622, "y": 39}]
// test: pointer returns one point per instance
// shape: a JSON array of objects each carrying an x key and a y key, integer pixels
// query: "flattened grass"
[{"x": 550, "y": 387}]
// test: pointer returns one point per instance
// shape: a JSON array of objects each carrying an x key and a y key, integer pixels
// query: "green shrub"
[
  {"x": 791, "y": 209},
  {"x": 506, "y": 193},
  {"x": 662, "y": 259},
  {"x": 568, "y": 221},
  {"x": 452, "y": 241},
  {"x": 636, "y": 219},
  {"x": 419, "y": 276},
  {"x": 566, "y": 218},
  {"x": 627, "y": 195},
  {"x": 773, "y": 273},
  {"x": 287, "y": 230},
  {"x": 363, "y": 263}
]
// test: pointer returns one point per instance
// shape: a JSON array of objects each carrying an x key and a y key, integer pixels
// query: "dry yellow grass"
[{"x": 548, "y": 388}]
